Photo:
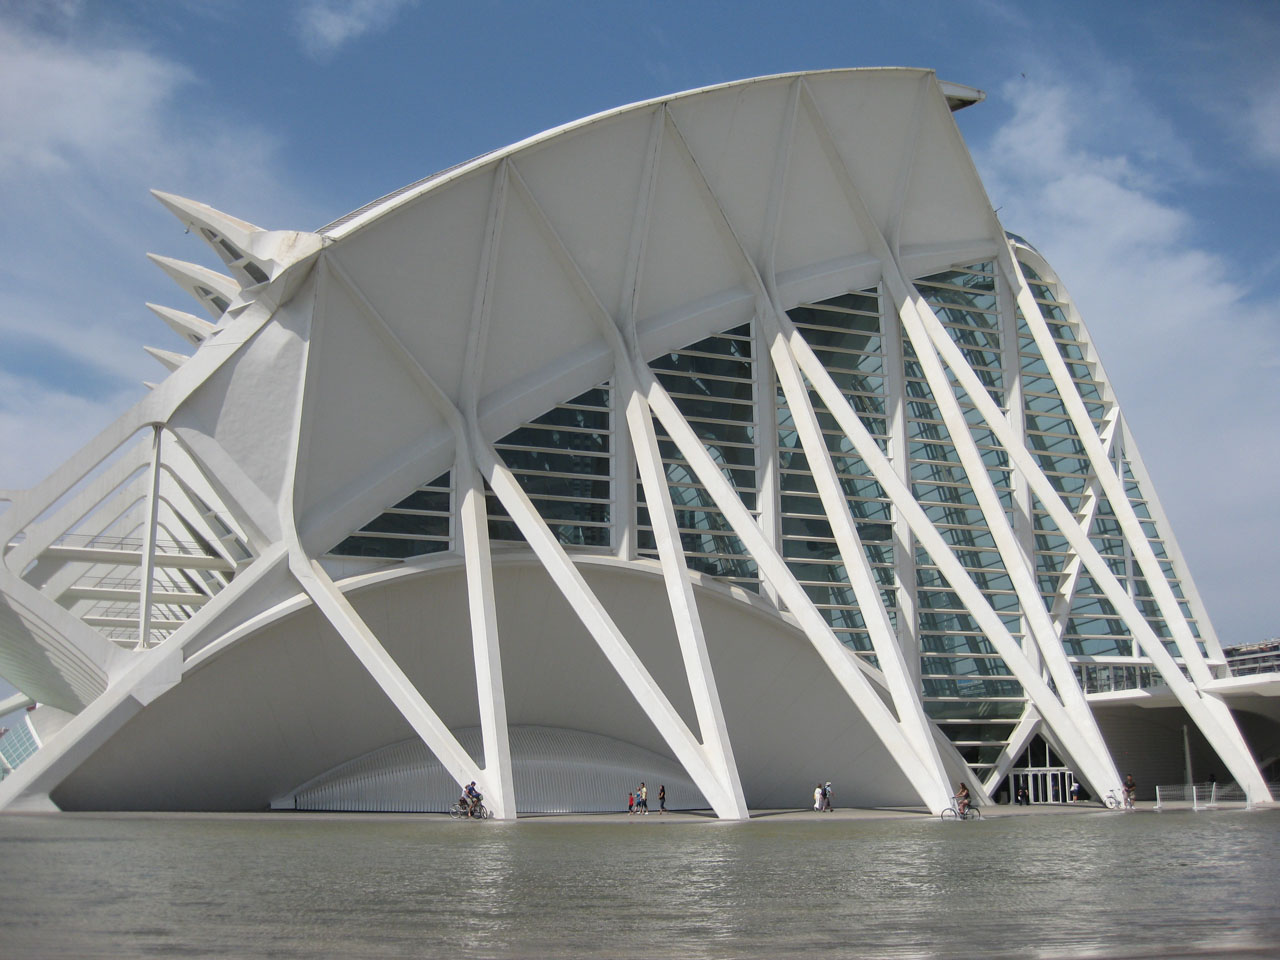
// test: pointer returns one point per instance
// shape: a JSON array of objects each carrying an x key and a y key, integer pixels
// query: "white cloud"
[
  {"x": 325, "y": 25},
  {"x": 1193, "y": 359},
  {"x": 1262, "y": 119},
  {"x": 41, "y": 426},
  {"x": 61, "y": 106},
  {"x": 87, "y": 125}
]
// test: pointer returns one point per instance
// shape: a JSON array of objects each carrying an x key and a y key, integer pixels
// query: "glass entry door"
[
  {"x": 1042, "y": 774},
  {"x": 1053, "y": 785}
]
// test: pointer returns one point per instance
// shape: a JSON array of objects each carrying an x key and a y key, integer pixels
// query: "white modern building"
[{"x": 724, "y": 441}]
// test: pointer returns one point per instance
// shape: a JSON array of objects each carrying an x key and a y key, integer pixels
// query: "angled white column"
[
  {"x": 903, "y": 691},
  {"x": 146, "y": 586},
  {"x": 926, "y": 769},
  {"x": 642, "y": 444},
  {"x": 474, "y": 518},
  {"x": 684, "y": 608},
  {"x": 1016, "y": 563},
  {"x": 591, "y": 612},
  {"x": 1207, "y": 710},
  {"x": 1126, "y": 442},
  {"x": 1111, "y": 482},
  {"x": 333, "y": 604},
  {"x": 426, "y": 723},
  {"x": 1229, "y": 745},
  {"x": 1026, "y": 728},
  {"x": 1065, "y": 595},
  {"x": 1023, "y": 513},
  {"x": 1077, "y": 731},
  {"x": 495, "y": 778},
  {"x": 768, "y": 471},
  {"x": 714, "y": 751},
  {"x": 904, "y": 545},
  {"x": 838, "y": 660},
  {"x": 622, "y": 525},
  {"x": 941, "y": 554},
  {"x": 474, "y": 522}
]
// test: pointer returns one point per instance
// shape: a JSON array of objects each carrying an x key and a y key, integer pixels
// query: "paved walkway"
[
  {"x": 796, "y": 815},
  {"x": 792, "y": 815}
]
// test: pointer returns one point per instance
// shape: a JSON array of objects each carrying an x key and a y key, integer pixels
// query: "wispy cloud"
[
  {"x": 61, "y": 106},
  {"x": 1262, "y": 121},
  {"x": 1193, "y": 360},
  {"x": 87, "y": 125},
  {"x": 41, "y": 425},
  {"x": 326, "y": 25}
]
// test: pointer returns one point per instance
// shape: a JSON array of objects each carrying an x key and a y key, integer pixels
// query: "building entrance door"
[
  {"x": 1042, "y": 774},
  {"x": 1045, "y": 785}
]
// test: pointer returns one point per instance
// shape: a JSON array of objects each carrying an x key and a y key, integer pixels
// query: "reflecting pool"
[{"x": 1067, "y": 885}]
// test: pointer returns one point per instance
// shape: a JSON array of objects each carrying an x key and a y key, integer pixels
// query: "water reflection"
[{"x": 1147, "y": 885}]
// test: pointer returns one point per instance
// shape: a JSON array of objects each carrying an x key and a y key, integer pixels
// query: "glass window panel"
[
  {"x": 728, "y": 367},
  {"x": 970, "y": 687},
  {"x": 409, "y": 524},
  {"x": 597, "y": 443},
  {"x": 975, "y": 709},
  {"x": 551, "y": 462},
  {"x": 684, "y": 383},
  {"x": 583, "y": 419},
  {"x": 391, "y": 549},
  {"x": 426, "y": 500}
]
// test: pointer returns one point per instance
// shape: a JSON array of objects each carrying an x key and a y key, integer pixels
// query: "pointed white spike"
[
  {"x": 192, "y": 213},
  {"x": 149, "y": 384},
  {"x": 235, "y": 241},
  {"x": 191, "y": 328},
  {"x": 207, "y": 286},
  {"x": 167, "y": 357}
]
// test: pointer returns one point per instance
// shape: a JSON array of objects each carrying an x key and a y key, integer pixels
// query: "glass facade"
[
  {"x": 419, "y": 524},
  {"x": 724, "y": 388},
  {"x": 713, "y": 383},
  {"x": 845, "y": 333},
  {"x": 17, "y": 744},
  {"x": 967, "y": 687}
]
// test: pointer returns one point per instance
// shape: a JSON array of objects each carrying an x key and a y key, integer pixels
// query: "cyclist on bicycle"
[
  {"x": 1130, "y": 790},
  {"x": 962, "y": 799},
  {"x": 471, "y": 798}
]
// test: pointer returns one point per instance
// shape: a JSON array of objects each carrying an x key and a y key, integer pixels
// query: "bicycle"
[
  {"x": 953, "y": 812},
  {"x": 459, "y": 811},
  {"x": 1116, "y": 801}
]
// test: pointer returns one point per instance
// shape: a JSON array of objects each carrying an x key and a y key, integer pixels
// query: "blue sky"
[{"x": 1136, "y": 144}]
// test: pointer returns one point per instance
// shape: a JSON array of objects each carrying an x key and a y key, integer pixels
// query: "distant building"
[
  {"x": 724, "y": 441},
  {"x": 1251, "y": 658}
]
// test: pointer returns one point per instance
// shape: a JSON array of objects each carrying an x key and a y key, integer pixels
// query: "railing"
[
  {"x": 1206, "y": 796},
  {"x": 102, "y": 542}
]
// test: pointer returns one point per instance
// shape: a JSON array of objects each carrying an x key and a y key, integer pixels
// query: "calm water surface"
[{"x": 1080, "y": 885}]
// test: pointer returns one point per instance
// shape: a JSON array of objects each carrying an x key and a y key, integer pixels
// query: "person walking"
[
  {"x": 631, "y": 802},
  {"x": 643, "y": 799},
  {"x": 817, "y": 798},
  {"x": 828, "y": 797},
  {"x": 662, "y": 798}
]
